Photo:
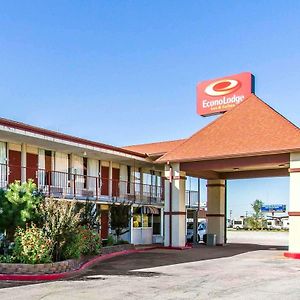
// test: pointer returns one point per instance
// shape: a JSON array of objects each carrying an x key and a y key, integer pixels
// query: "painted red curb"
[
  {"x": 50, "y": 277},
  {"x": 57, "y": 276},
  {"x": 292, "y": 255}
]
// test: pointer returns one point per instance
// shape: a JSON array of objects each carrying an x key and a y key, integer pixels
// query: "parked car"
[{"x": 202, "y": 228}]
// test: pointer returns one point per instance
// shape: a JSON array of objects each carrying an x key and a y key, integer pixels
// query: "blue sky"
[{"x": 125, "y": 72}]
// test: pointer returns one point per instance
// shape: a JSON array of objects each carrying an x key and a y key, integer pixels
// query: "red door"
[
  {"x": 32, "y": 166},
  {"x": 104, "y": 224},
  {"x": 104, "y": 178},
  {"x": 115, "y": 182},
  {"x": 14, "y": 158}
]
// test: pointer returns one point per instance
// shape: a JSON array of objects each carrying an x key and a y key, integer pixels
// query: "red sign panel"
[{"x": 219, "y": 95}]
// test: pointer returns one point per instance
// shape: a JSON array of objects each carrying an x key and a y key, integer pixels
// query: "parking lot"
[{"x": 238, "y": 270}]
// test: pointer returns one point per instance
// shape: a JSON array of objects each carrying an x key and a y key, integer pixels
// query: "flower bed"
[{"x": 57, "y": 267}]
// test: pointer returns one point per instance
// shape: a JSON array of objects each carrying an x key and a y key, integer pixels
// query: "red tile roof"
[
  {"x": 251, "y": 128},
  {"x": 155, "y": 149}
]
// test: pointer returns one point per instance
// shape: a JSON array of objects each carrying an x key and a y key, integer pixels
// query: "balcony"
[{"x": 80, "y": 187}]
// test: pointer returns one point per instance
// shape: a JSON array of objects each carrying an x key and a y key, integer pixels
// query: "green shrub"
[
  {"x": 72, "y": 248},
  {"x": 60, "y": 220},
  {"x": 18, "y": 206},
  {"x": 32, "y": 246},
  {"x": 110, "y": 240},
  {"x": 7, "y": 259},
  {"x": 83, "y": 241},
  {"x": 122, "y": 242},
  {"x": 91, "y": 243}
]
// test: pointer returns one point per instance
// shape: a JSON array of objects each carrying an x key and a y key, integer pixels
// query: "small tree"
[
  {"x": 89, "y": 214},
  {"x": 120, "y": 217},
  {"x": 18, "y": 206},
  {"x": 256, "y": 221},
  {"x": 60, "y": 220}
]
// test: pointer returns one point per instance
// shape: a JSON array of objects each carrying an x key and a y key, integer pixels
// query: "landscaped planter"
[
  {"x": 57, "y": 267},
  {"x": 50, "y": 268}
]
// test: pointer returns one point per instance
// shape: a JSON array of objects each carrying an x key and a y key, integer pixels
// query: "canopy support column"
[
  {"x": 216, "y": 209},
  {"x": 174, "y": 210},
  {"x": 294, "y": 207}
]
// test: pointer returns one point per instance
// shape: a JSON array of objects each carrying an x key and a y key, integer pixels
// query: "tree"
[
  {"x": 60, "y": 220},
  {"x": 89, "y": 214},
  {"x": 18, "y": 206},
  {"x": 256, "y": 221},
  {"x": 120, "y": 217}
]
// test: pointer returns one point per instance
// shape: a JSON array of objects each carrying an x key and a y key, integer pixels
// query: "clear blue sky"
[{"x": 124, "y": 72}]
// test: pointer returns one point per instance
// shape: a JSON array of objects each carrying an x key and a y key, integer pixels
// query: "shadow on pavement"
[{"x": 125, "y": 265}]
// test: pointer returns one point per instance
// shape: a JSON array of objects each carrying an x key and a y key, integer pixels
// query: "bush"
[
  {"x": 60, "y": 219},
  {"x": 32, "y": 246},
  {"x": 72, "y": 248},
  {"x": 82, "y": 242},
  {"x": 122, "y": 242},
  {"x": 91, "y": 243},
  {"x": 18, "y": 206},
  {"x": 110, "y": 240},
  {"x": 8, "y": 259}
]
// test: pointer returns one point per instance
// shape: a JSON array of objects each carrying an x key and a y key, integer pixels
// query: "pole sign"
[
  {"x": 273, "y": 208},
  {"x": 220, "y": 95}
]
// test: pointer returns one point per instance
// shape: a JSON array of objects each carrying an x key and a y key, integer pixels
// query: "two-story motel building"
[{"x": 252, "y": 140}]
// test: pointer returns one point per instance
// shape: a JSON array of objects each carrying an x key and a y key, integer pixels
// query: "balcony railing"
[{"x": 81, "y": 187}]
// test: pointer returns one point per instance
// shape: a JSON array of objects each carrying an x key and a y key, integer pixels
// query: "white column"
[
  {"x": 216, "y": 209},
  {"x": 294, "y": 207},
  {"x": 110, "y": 179},
  {"x": 175, "y": 211},
  {"x": 140, "y": 170},
  {"x": 162, "y": 222},
  {"x": 23, "y": 163},
  {"x": 123, "y": 181},
  {"x": 131, "y": 224}
]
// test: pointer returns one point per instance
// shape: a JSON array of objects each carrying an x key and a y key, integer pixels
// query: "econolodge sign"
[{"x": 220, "y": 95}]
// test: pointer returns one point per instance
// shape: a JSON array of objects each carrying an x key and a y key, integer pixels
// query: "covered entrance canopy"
[{"x": 252, "y": 140}]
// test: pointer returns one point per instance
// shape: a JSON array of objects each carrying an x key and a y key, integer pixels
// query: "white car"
[{"x": 201, "y": 231}]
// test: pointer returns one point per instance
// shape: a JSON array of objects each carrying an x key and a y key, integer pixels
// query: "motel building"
[{"x": 251, "y": 140}]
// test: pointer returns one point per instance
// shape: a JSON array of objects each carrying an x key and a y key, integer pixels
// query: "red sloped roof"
[
  {"x": 251, "y": 128},
  {"x": 155, "y": 148}
]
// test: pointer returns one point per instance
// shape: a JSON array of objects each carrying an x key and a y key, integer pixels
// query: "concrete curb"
[{"x": 50, "y": 277}]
